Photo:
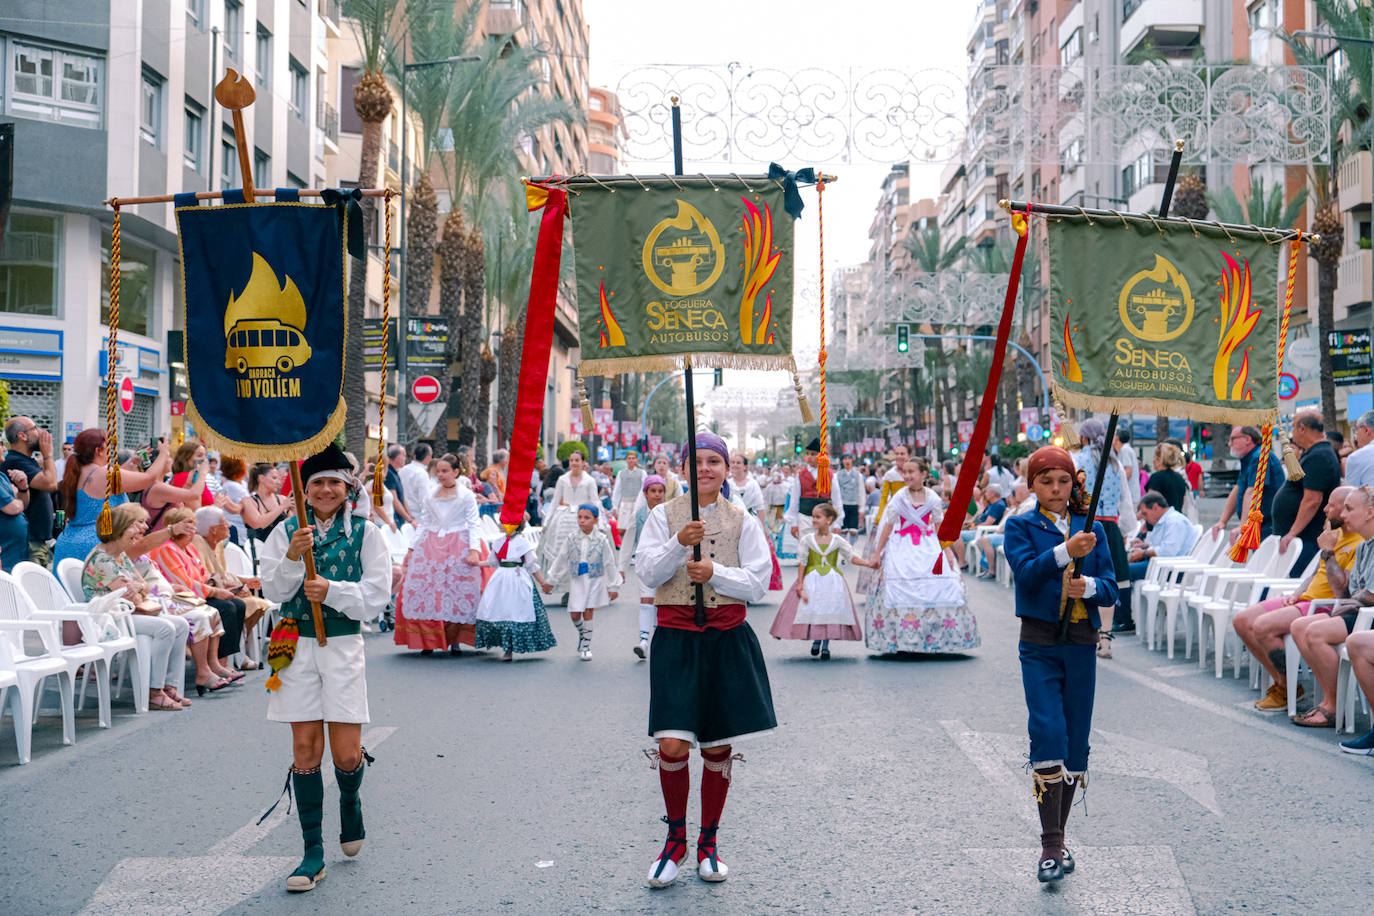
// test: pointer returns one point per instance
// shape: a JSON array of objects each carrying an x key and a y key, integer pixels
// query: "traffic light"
[
  {"x": 796, "y": 443},
  {"x": 903, "y": 343},
  {"x": 716, "y": 378}
]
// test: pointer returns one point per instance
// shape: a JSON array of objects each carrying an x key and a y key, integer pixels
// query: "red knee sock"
[
  {"x": 676, "y": 782},
  {"x": 715, "y": 783}
]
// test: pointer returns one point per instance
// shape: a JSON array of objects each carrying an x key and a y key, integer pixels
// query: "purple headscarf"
[
  {"x": 650, "y": 481},
  {"x": 712, "y": 443}
]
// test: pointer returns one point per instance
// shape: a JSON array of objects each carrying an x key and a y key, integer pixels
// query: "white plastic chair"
[
  {"x": 15, "y": 606},
  {"x": 30, "y": 672},
  {"x": 1004, "y": 573},
  {"x": 98, "y": 619},
  {"x": 1235, "y": 596},
  {"x": 69, "y": 574},
  {"x": 237, "y": 561},
  {"x": 1347, "y": 691},
  {"x": 973, "y": 554},
  {"x": 1203, "y": 584},
  {"x": 1161, "y": 573}
]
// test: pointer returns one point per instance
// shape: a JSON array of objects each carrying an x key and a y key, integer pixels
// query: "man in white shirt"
[
  {"x": 1128, "y": 459},
  {"x": 1171, "y": 534},
  {"x": 1359, "y": 465},
  {"x": 415, "y": 475}
]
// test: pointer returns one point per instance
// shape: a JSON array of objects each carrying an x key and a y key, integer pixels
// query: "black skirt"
[{"x": 711, "y": 684}]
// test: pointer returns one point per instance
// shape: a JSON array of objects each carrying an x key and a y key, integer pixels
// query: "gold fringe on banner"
[
  {"x": 294, "y": 451},
  {"x": 1236, "y": 416},
  {"x": 673, "y": 362}
]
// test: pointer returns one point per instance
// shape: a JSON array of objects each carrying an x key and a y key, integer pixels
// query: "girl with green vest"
[{"x": 324, "y": 684}]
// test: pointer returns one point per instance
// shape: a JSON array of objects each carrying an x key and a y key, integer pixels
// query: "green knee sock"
[
  {"x": 310, "y": 809},
  {"x": 350, "y": 803}
]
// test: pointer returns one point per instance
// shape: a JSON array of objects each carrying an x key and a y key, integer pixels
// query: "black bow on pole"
[
  {"x": 791, "y": 197},
  {"x": 349, "y": 199}
]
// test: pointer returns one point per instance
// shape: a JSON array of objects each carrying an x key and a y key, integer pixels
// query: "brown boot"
[
  {"x": 1071, "y": 784},
  {"x": 1049, "y": 790}
]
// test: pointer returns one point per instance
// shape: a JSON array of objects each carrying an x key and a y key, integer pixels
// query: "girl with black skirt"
[{"x": 707, "y": 682}]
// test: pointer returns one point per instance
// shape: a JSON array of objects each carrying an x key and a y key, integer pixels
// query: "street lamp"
[
  {"x": 402, "y": 318},
  {"x": 1369, "y": 43}
]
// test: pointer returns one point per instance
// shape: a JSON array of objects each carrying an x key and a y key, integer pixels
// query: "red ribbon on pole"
[
  {"x": 973, "y": 456},
  {"x": 534, "y": 357}
]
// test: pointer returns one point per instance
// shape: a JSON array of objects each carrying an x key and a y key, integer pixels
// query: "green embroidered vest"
[{"x": 337, "y": 557}]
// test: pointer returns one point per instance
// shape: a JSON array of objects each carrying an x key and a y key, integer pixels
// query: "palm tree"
[
  {"x": 1350, "y": 96},
  {"x": 372, "y": 102},
  {"x": 1262, "y": 207}
]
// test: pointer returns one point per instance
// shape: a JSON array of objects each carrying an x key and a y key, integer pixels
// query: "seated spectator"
[
  {"x": 212, "y": 530},
  {"x": 1170, "y": 534},
  {"x": 992, "y": 513},
  {"x": 1022, "y": 502},
  {"x": 1319, "y": 637},
  {"x": 1360, "y": 648},
  {"x": 1262, "y": 627},
  {"x": 109, "y": 566},
  {"x": 180, "y": 562}
]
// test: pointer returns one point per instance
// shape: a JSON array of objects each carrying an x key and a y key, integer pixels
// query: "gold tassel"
[
  {"x": 1291, "y": 465},
  {"x": 104, "y": 523},
  {"x": 802, "y": 404},
  {"x": 1066, "y": 430},
  {"x": 588, "y": 420}
]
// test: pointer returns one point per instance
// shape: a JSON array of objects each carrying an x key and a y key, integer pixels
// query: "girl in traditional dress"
[
  {"x": 437, "y": 604},
  {"x": 593, "y": 575},
  {"x": 750, "y": 496},
  {"x": 573, "y": 489},
  {"x": 918, "y": 604},
  {"x": 819, "y": 606},
  {"x": 653, "y": 492},
  {"x": 511, "y": 614}
]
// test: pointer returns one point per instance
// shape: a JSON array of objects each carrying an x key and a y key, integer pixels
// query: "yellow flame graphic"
[
  {"x": 264, "y": 298},
  {"x": 760, "y": 262},
  {"x": 611, "y": 335},
  {"x": 1238, "y": 319},
  {"x": 1072, "y": 371}
]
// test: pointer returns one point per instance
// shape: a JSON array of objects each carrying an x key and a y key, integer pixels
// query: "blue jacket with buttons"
[{"x": 1029, "y": 545}]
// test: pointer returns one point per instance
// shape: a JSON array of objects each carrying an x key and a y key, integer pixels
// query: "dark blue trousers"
[{"x": 1059, "y": 682}]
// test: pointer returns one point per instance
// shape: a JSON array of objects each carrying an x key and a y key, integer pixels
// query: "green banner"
[
  {"x": 671, "y": 268},
  {"x": 1176, "y": 321}
]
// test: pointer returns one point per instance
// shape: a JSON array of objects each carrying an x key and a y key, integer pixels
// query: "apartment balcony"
[
  {"x": 327, "y": 119},
  {"x": 1172, "y": 26},
  {"x": 1352, "y": 281},
  {"x": 1355, "y": 181},
  {"x": 504, "y": 16},
  {"x": 331, "y": 11}
]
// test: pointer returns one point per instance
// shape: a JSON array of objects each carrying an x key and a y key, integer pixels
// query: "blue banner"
[{"x": 266, "y": 326}]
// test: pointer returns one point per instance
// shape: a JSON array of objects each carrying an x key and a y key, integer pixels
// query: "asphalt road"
[{"x": 890, "y": 786}]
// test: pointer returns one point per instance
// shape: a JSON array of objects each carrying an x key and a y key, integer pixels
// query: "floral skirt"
[
  {"x": 514, "y": 636},
  {"x": 932, "y": 628}
]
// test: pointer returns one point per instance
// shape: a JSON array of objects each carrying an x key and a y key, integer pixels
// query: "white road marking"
[
  {"x": 1251, "y": 719},
  {"x": 202, "y": 885}
]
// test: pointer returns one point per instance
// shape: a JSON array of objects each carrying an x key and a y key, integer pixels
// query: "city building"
[{"x": 114, "y": 99}]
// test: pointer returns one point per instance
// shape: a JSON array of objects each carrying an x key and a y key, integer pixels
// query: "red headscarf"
[{"x": 1050, "y": 458}]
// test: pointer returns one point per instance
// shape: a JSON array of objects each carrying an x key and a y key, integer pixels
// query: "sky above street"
[{"x": 791, "y": 36}]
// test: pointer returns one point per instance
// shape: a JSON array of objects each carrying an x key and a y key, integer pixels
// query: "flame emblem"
[
  {"x": 1156, "y": 304},
  {"x": 760, "y": 261},
  {"x": 264, "y": 325},
  {"x": 695, "y": 248},
  {"x": 1069, "y": 367},
  {"x": 1238, "y": 319},
  {"x": 611, "y": 335}
]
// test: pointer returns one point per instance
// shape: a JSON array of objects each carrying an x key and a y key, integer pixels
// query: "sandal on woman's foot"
[
  {"x": 233, "y": 676},
  {"x": 1316, "y": 718},
  {"x": 175, "y": 697},
  {"x": 164, "y": 702},
  {"x": 216, "y": 684}
]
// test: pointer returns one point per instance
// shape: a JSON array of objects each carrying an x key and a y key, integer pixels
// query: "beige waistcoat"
[{"x": 721, "y": 545}]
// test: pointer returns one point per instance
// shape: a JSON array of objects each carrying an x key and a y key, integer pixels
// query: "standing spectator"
[
  {"x": 1194, "y": 474},
  {"x": 266, "y": 506},
  {"x": 415, "y": 475},
  {"x": 235, "y": 493},
  {"x": 851, "y": 481},
  {"x": 23, "y": 438},
  {"x": 495, "y": 473},
  {"x": 14, "y": 527},
  {"x": 1359, "y": 467},
  {"x": 1298, "y": 505},
  {"x": 1245, "y": 445},
  {"x": 1168, "y": 480},
  {"x": 61, "y": 463},
  {"x": 214, "y": 480},
  {"x": 1128, "y": 459},
  {"x": 395, "y": 460},
  {"x": 189, "y": 486}
]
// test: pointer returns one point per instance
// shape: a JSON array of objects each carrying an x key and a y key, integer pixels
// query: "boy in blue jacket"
[{"x": 1058, "y": 672}]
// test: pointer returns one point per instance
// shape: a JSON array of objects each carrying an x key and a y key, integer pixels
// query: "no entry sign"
[
  {"x": 425, "y": 389},
  {"x": 126, "y": 395}
]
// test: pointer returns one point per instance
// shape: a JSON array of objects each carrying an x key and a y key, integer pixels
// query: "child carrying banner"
[{"x": 707, "y": 684}]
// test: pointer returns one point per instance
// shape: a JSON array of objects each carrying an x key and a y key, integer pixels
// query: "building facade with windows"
[{"x": 111, "y": 98}]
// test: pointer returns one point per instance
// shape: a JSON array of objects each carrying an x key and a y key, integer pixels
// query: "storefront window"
[
  {"x": 29, "y": 258},
  {"x": 137, "y": 280}
]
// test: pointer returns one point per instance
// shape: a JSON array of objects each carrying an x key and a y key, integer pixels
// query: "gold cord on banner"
[
  {"x": 379, "y": 473},
  {"x": 1249, "y": 537},
  {"x": 104, "y": 524},
  {"x": 823, "y": 460}
]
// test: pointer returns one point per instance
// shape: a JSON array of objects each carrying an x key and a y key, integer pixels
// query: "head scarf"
[
  {"x": 331, "y": 462},
  {"x": 713, "y": 443},
  {"x": 653, "y": 480},
  {"x": 1050, "y": 458},
  {"x": 590, "y": 507}
]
